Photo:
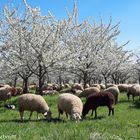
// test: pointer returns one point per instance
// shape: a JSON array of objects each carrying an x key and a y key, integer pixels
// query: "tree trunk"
[
  {"x": 15, "y": 81},
  {"x": 25, "y": 85},
  {"x": 40, "y": 86},
  {"x": 105, "y": 78},
  {"x": 85, "y": 79}
]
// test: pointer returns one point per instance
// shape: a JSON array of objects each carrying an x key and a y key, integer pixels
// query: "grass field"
[{"x": 125, "y": 125}]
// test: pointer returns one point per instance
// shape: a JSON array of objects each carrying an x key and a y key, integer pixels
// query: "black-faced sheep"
[
  {"x": 71, "y": 105},
  {"x": 89, "y": 91},
  {"x": 134, "y": 91},
  {"x": 99, "y": 99},
  {"x": 33, "y": 103}
]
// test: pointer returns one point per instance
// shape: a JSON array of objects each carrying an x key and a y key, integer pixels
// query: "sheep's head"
[
  {"x": 85, "y": 110},
  {"x": 75, "y": 116},
  {"x": 48, "y": 115}
]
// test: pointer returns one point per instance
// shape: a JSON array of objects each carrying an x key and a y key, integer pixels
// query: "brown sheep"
[
  {"x": 99, "y": 99},
  {"x": 89, "y": 91}
]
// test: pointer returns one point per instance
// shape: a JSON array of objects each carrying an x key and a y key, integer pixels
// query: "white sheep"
[
  {"x": 71, "y": 105},
  {"x": 134, "y": 91},
  {"x": 77, "y": 86},
  {"x": 4, "y": 94},
  {"x": 32, "y": 102},
  {"x": 115, "y": 91}
]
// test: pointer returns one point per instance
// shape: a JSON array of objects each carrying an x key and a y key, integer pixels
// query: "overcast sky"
[{"x": 127, "y": 12}]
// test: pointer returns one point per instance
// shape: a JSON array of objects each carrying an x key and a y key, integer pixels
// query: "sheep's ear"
[{"x": 45, "y": 114}]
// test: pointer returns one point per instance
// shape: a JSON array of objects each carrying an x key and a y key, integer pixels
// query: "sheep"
[
  {"x": 99, "y": 99},
  {"x": 96, "y": 85},
  {"x": 71, "y": 105},
  {"x": 123, "y": 87},
  {"x": 32, "y": 87},
  {"x": 76, "y": 92},
  {"x": 32, "y": 102},
  {"x": 5, "y": 94},
  {"x": 115, "y": 91},
  {"x": 110, "y": 85},
  {"x": 77, "y": 86},
  {"x": 134, "y": 91},
  {"x": 89, "y": 91},
  {"x": 13, "y": 91},
  {"x": 19, "y": 90},
  {"x": 102, "y": 86},
  {"x": 87, "y": 86},
  {"x": 67, "y": 86}
]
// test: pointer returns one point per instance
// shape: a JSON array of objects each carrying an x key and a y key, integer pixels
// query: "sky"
[{"x": 127, "y": 12}]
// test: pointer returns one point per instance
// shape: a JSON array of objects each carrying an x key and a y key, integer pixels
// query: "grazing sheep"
[
  {"x": 96, "y": 85},
  {"x": 55, "y": 87},
  {"x": 67, "y": 86},
  {"x": 32, "y": 87},
  {"x": 13, "y": 91},
  {"x": 123, "y": 87},
  {"x": 19, "y": 90},
  {"x": 99, "y": 99},
  {"x": 102, "y": 86},
  {"x": 77, "y": 86},
  {"x": 134, "y": 91},
  {"x": 32, "y": 102},
  {"x": 115, "y": 91},
  {"x": 89, "y": 91},
  {"x": 87, "y": 86},
  {"x": 5, "y": 94},
  {"x": 71, "y": 105},
  {"x": 49, "y": 92},
  {"x": 76, "y": 92},
  {"x": 110, "y": 85}
]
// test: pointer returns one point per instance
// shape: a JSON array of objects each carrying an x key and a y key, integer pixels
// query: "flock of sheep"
[{"x": 69, "y": 100}]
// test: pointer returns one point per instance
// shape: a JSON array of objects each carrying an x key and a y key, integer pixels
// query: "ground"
[{"x": 124, "y": 125}]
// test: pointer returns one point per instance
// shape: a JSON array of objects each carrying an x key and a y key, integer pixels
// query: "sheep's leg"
[
  {"x": 38, "y": 116},
  {"x": 112, "y": 111},
  {"x": 67, "y": 115},
  {"x": 128, "y": 96},
  {"x": 30, "y": 115},
  {"x": 92, "y": 112},
  {"x": 95, "y": 114},
  {"x": 133, "y": 98},
  {"x": 59, "y": 112},
  {"x": 21, "y": 115}
]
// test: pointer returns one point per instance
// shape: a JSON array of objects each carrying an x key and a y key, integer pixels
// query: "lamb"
[
  {"x": 89, "y": 91},
  {"x": 5, "y": 94},
  {"x": 115, "y": 91},
  {"x": 32, "y": 102},
  {"x": 134, "y": 91},
  {"x": 99, "y": 99},
  {"x": 71, "y": 105}
]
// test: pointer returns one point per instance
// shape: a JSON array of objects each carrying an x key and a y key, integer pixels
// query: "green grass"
[{"x": 124, "y": 125}]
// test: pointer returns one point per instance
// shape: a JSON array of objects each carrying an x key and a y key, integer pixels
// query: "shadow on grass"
[
  {"x": 124, "y": 101},
  {"x": 92, "y": 118},
  {"x": 54, "y": 120},
  {"x": 135, "y": 104}
]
